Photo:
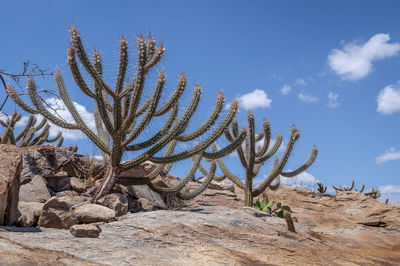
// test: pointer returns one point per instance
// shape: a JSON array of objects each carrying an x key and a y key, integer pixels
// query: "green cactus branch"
[{"x": 118, "y": 111}]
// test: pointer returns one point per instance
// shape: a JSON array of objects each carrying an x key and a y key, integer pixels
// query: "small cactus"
[
  {"x": 374, "y": 193},
  {"x": 345, "y": 188}
]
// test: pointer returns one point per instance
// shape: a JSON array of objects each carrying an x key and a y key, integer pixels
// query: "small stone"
[
  {"x": 92, "y": 213},
  {"x": 85, "y": 230},
  {"x": 30, "y": 213},
  {"x": 77, "y": 184},
  {"x": 66, "y": 193}
]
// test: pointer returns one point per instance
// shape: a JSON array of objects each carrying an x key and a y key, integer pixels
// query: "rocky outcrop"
[
  {"x": 117, "y": 202},
  {"x": 10, "y": 176},
  {"x": 30, "y": 213}
]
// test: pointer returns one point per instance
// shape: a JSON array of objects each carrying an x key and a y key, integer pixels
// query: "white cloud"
[
  {"x": 301, "y": 82},
  {"x": 303, "y": 180},
  {"x": 333, "y": 100},
  {"x": 307, "y": 98},
  {"x": 58, "y": 108},
  {"x": 389, "y": 155},
  {"x": 389, "y": 189},
  {"x": 391, "y": 192},
  {"x": 254, "y": 99},
  {"x": 286, "y": 89},
  {"x": 355, "y": 60},
  {"x": 389, "y": 100}
]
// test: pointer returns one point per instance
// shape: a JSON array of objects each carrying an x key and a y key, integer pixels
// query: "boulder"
[
  {"x": 116, "y": 201},
  {"x": 220, "y": 185},
  {"x": 66, "y": 193},
  {"x": 30, "y": 213},
  {"x": 145, "y": 204},
  {"x": 56, "y": 212},
  {"x": 77, "y": 184},
  {"x": 10, "y": 176},
  {"x": 93, "y": 213},
  {"x": 34, "y": 191},
  {"x": 143, "y": 191},
  {"x": 85, "y": 230}
]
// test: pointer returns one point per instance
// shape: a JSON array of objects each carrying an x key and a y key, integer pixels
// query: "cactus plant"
[
  {"x": 345, "y": 188},
  {"x": 321, "y": 188},
  {"x": 252, "y": 159},
  {"x": 26, "y": 136},
  {"x": 119, "y": 111},
  {"x": 374, "y": 193}
]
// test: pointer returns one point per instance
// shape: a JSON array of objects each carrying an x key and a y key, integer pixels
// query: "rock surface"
[
  {"x": 10, "y": 176},
  {"x": 30, "y": 213},
  {"x": 116, "y": 201},
  {"x": 34, "y": 191}
]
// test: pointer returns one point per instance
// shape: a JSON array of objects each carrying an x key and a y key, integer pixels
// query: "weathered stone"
[
  {"x": 77, "y": 184},
  {"x": 30, "y": 213},
  {"x": 66, "y": 193},
  {"x": 116, "y": 201},
  {"x": 85, "y": 230},
  {"x": 59, "y": 181},
  {"x": 10, "y": 176},
  {"x": 92, "y": 213},
  {"x": 56, "y": 212},
  {"x": 143, "y": 191},
  {"x": 220, "y": 185},
  {"x": 34, "y": 191},
  {"x": 145, "y": 204}
]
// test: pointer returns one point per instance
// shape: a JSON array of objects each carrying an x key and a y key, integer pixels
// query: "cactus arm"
[
  {"x": 31, "y": 122},
  {"x": 167, "y": 126},
  {"x": 272, "y": 151},
  {"x": 203, "y": 145},
  {"x": 307, "y": 164},
  {"x": 77, "y": 43},
  {"x": 41, "y": 124},
  {"x": 267, "y": 138},
  {"x": 362, "y": 188},
  {"x": 41, "y": 138},
  {"x": 82, "y": 125},
  {"x": 174, "y": 98},
  {"x": 189, "y": 176},
  {"x": 228, "y": 174},
  {"x": 27, "y": 138},
  {"x": 138, "y": 85},
  {"x": 123, "y": 63},
  {"x": 73, "y": 66},
  {"x": 252, "y": 147},
  {"x": 228, "y": 149},
  {"x": 163, "y": 168},
  {"x": 352, "y": 186},
  {"x": 202, "y": 187},
  {"x": 235, "y": 132},
  {"x": 43, "y": 111},
  {"x": 58, "y": 136},
  {"x": 155, "y": 58},
  {"x": 208, "y": 123},
  {"x": 149, "y": 115},
  {"x": 14, "y": 95},
  {"x": 144, "y": 107},
  {"x": 99, "y": 127}
]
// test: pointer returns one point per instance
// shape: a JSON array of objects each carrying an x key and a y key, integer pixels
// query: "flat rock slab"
[{"x": 207, "y": 235}]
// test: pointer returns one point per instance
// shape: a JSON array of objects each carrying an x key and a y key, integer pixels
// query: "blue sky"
[{"x": 330, "y": 68}]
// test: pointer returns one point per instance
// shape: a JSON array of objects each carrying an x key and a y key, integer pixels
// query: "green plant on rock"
[
  {"x": 122, "y": 115},
  {"x": 345, "y": 188},
  {"x": 26, "y": 137},
  {"x": 252, "y": 159},
  {"x": 271, "y": 207}
]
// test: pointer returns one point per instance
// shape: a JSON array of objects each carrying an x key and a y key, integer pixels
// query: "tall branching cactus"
[
  {"x": 252, "y": 159},
  {"x": 118, "y": 112},
  {"x": 26, "y": 137}
]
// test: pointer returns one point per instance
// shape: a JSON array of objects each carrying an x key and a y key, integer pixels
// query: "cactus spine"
[
  {"x": 119, "y": 111},
  {"x": 252, "y": 159},
  {"x": 27, "y": 134}
]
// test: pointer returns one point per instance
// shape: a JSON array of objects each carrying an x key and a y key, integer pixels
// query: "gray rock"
[
  {"x": 85, "y": 230},
  {"x": 34, "y": 191},
  {"x": 66, "y": 193},
  {"x": 92, "y": 213},
  {"x": 143, "y": 191},
  {"x": 56, "y": 212},
  {"x": 30, "y": 213},
  {"x": 59, "y": 181},
  {"x": 116, "y": 201},
  {"x": 220, "y": 185},
  {"x": 77, "y": 184},
  {"x": 10, "y": 176}
]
